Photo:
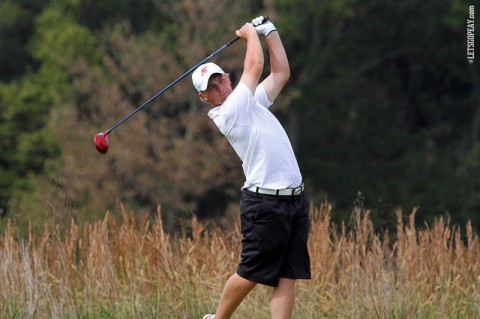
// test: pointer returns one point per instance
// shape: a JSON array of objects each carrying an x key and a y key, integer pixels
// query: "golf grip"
[{"x": 229, "y": 43}]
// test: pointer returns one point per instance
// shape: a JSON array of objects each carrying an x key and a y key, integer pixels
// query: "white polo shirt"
[{"x": 258, "y": 138}]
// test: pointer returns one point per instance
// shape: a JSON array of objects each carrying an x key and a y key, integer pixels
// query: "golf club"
[{"x": 101, "y": 139}]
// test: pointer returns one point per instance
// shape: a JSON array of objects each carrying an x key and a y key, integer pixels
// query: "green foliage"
[
  {"x": 381, "y": 100},
  {"x": 28, "y": 142},
  {"x": 59, "y": 43},
  {"x": 385, "y": 106},
  {"x": 16, "y": 26},
  {"x": 25, "y": 141},
  {"x": 140, "y": 14}
]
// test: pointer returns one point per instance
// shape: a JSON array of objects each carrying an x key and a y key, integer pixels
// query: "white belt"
[{"x": 278, "y": 192}]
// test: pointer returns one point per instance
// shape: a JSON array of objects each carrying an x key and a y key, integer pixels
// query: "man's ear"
[{"x": 202, "y": 97}]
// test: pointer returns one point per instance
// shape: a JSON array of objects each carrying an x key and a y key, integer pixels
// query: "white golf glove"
[{"x": 264, "y": 28}]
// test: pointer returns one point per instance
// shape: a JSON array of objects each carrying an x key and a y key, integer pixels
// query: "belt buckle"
[{"x": 299, "y": 189}]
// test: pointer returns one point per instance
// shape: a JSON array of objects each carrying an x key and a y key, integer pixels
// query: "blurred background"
[{"x": 383, "y": 108}]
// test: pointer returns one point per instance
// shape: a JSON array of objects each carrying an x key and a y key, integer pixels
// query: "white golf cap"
[{"x": 201, "y": 75}]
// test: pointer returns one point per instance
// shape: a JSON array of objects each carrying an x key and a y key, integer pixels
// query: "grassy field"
[{"x": 128, "y": 269}]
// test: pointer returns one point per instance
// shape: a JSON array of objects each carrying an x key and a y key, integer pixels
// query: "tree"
[
  {"x": 16, "y": 27},
  {"x": 31, "y": 148},
  {"x": 169, "y": 154},
  {"x": 374, "y": 105},
  {"x": 379, "y": 100}
]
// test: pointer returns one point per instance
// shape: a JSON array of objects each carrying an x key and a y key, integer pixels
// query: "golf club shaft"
[{"x": 229, "y": 43}]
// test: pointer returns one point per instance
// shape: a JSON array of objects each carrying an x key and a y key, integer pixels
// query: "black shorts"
[{"x": 275, "y": 233}]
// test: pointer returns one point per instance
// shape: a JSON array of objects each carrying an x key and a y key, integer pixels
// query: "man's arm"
[
  {"x": 253, "y": 64},
  {"x": 279, "y": 67}
]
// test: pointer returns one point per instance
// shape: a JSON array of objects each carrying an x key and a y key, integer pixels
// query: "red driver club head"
[{"x": 101, "y": 142}]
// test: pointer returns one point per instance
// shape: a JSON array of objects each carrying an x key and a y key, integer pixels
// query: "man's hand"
[
  {"x": 264, "y": 28},
  {"x": 245, "y": 31}
]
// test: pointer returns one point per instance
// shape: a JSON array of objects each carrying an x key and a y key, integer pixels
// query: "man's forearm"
[
  {"x": 279, "y": 67},
  {"x": 254, "y": 55},
  {"x": 253, "y": 63},
  {"x": 278, "y": 57}
]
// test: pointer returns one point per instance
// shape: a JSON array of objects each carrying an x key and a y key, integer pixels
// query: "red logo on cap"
[{"x": 203, "y": 71}]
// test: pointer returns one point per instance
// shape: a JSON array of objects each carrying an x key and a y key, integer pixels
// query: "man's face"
[{"x": 218, "y": 89}]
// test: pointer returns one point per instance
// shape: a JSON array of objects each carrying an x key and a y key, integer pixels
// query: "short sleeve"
[{"x": 261, "y": 96}]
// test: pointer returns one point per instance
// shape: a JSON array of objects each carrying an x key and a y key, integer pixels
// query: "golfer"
[{"x": 274, "y": 209}]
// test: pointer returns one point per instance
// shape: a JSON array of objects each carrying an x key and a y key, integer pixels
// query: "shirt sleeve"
[{"x": 261, "y": 96}]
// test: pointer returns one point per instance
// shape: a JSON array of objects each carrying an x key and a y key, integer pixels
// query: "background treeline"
[{"x": 382, "y": 100}]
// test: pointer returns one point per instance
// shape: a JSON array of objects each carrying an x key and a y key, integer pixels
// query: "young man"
[{"x": 274, "y": 209}]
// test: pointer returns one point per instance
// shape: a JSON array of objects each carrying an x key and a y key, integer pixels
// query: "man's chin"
[{"x": 223, "y": 98}]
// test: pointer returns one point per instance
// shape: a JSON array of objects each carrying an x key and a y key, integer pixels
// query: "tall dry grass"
[{"x": 133, "y": 269}]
